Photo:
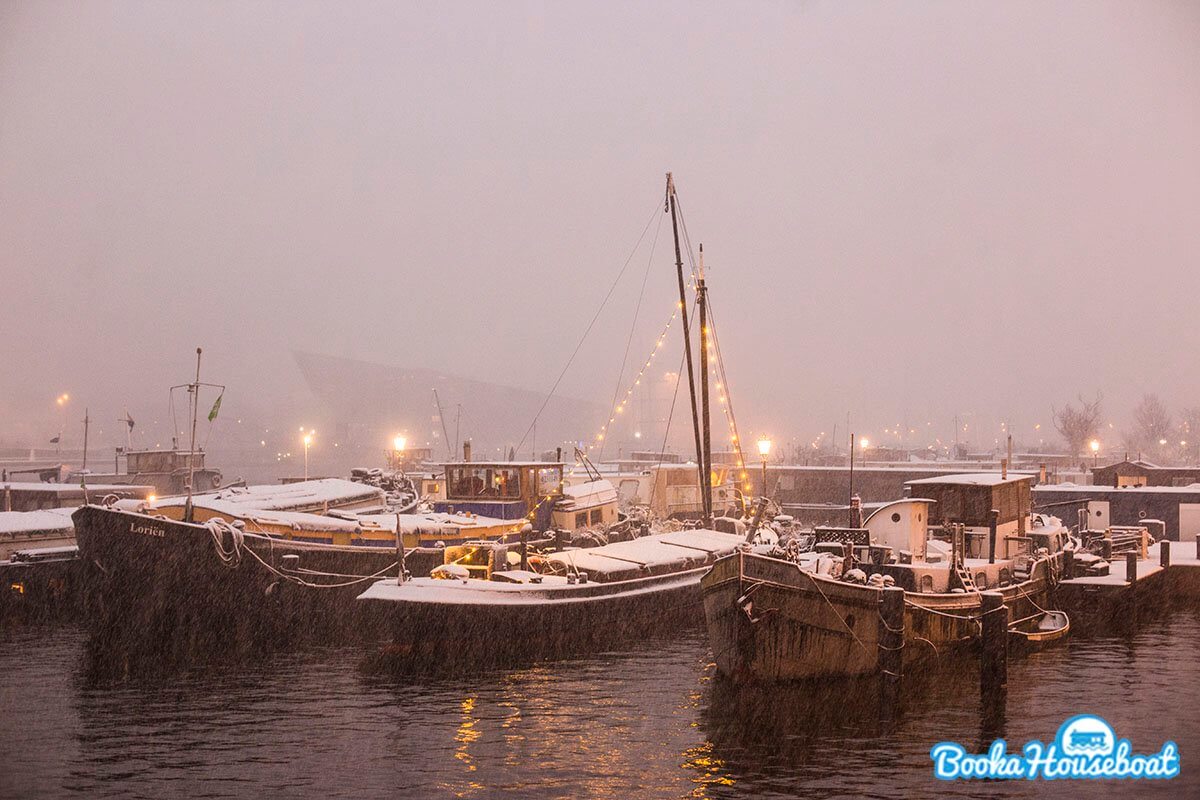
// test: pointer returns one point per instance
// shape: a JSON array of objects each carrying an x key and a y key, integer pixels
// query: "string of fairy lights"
[{"x": 617, "y": 409}]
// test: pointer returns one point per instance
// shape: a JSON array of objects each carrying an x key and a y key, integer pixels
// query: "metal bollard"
[
  {"x": 1164, "y": 553},
  {"x": 1131, "y": 560}
]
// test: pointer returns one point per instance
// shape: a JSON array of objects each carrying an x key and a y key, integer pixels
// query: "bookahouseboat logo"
[{"x": 1085, "y": 748}]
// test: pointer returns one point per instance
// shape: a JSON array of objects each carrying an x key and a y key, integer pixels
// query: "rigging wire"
[
  {"x": 588, "y": 330},
  {"x": 633, "y": 326}
]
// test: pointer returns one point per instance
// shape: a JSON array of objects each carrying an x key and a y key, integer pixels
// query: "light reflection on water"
[{"x": 651, "y": 721}]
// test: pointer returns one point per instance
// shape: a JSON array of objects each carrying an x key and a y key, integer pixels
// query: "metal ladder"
[{"x": 958, "y": 554}]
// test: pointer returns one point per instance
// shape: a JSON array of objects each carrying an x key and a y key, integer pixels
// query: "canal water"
[{"x": 649, "y": 721}]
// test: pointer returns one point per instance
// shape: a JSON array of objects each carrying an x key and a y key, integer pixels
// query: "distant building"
[
  {"x": 1143, "y": 473},
  {"x": 370, "y": 403},
  {"x": 1178, "y": 507}
]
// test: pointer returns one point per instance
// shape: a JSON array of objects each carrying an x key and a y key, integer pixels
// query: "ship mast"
[
  {"x": 706, "y": 475},
  {"x": 194, "y": 391},
  {"x": 687, "y": 343}
]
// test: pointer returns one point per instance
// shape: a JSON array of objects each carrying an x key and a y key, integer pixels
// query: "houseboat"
[
  {"x": 494, "y": 603},
  {"x": 166, "y": 470},
  {"x": 777, "y": 616}
]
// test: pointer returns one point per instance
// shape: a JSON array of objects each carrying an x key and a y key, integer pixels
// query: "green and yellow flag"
[{"x": 216, "y": 409}]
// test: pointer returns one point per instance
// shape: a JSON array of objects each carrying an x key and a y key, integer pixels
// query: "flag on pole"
[
  {"x": 129, "y": 420},
  {"x": 56, "y": 439},
  {"x": 216, "y": 409}
]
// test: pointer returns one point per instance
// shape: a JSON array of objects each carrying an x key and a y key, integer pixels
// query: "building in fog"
[{"x": 370, "y": 403}]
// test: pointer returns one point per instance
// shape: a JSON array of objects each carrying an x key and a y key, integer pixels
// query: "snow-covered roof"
[
  {"x": 587, "y": 495},
  {"x": 1071, "y": 488},
  {"x": 410, "y": 523},
  {"x": 73, "y": 486},
  {"x": 56, "y": 519},
  {"x": 331, "y": 492},
  {"x": 973, "y": 479}
]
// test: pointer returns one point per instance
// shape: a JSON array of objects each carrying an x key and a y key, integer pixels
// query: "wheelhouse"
[{"x": 503, "y": 489}]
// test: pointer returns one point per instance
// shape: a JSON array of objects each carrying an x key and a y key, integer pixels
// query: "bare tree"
[
  {"x": 1078, "y": 425},
  {"x": 1151, "y": 425},
  {"x": 1189, "y": 434}
]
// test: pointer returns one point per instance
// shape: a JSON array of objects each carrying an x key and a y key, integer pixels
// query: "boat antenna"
[
  {"x": 706, "y": 428},
  {"x": 442, "y": 418},
  {"x": 851, "y": 500},
  {"x": 687, "y": 340},
  {"x": 86, "y": 423},
  {"x": 194, "y": 392}
]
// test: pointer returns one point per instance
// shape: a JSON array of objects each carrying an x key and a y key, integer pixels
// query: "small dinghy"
[{"x": 1039, "y": 630}]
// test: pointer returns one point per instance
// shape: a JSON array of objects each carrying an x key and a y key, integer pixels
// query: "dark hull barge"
[
  {"x": 150, "y": 576},
  {"x": 483, "y": 614}
]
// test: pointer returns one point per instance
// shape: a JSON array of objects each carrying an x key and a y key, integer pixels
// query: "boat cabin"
[
  {"x": 503, "y": 489},
  {"x": 969, "y": 499},
  {"x": 166, "y": 470}
]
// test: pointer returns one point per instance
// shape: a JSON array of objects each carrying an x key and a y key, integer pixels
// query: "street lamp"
[
  {"x": 307, "y": 441},
  {"x": 398, "y": 443},
  {"x": 1095, "y": 445},
  {"x": 764, "y": 450}
]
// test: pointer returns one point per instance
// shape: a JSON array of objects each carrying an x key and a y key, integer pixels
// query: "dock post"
[
  {"x": 891, "y": 645},
  {"x": 993, "y": 671},
  {"x": 1107, "y": 549},
  {"x": 1164, "y": 553},
  {"x": 1068, "y": 565},
  {"x": 1131, "y": 559}
]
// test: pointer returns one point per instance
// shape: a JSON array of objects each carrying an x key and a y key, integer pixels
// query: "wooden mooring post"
[
  {"x": 1068, "y": 564},
  {"x": 1164, "y": 553},
  {"x": 891, "y": 645},
  {"x": 1131, "y": 559},
  {"x": 993, "y": 668}
]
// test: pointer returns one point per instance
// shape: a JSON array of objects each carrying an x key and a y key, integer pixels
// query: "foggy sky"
[{"x": 908, "y": 210}]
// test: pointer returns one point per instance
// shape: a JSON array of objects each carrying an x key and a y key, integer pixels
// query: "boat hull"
[
  {"x": 152, "y": 577},
  {"x": 458, "y": 627},
  {"x": 769, "y": 621}
]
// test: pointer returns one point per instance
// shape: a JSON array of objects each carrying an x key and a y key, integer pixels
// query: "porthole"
[{"x": 896, "y": 517}]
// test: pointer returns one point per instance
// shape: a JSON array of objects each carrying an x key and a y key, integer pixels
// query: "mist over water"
[{"x": 908, "y": 212}]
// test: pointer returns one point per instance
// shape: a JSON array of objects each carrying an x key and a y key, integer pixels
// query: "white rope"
[
  {"x": 217, "y": 528},
  {"x": 232, "y": 558}
]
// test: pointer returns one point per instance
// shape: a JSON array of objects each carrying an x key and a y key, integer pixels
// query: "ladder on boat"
[
  {"x": 964, "y": 578},
  {"x": 958, "y": 559}
]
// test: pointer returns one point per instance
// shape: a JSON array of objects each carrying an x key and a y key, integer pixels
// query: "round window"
[{"x": 896, "y": 517}]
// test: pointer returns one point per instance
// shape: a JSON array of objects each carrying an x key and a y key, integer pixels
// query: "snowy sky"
[{"x": 908, "y": 210}]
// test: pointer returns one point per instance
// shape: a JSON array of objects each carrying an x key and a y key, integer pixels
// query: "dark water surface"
[{"x": 650, "y": 721}]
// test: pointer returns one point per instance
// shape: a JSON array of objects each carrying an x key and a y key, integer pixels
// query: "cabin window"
[
  {"x": 927, "y": 583},
  {"x": 506, "y": 483},
  {"x": 581, "y": 519},
  {"x": 549, "y": 481},
  {"x": 1005, "y": 577},
  {"x": 483, "y": 482},
  {"x": 597, "y": 515},
  {"x": 896, "y": 516},
  {"x": 981, "y": 580}
]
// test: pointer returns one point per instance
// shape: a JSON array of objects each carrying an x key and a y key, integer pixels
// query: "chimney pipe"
[{"x": 467, "y": 450}]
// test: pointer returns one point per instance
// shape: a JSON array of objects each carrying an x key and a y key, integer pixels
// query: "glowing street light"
[
  {"x": 308, "y": 439},
  {"x": 764, "y": 450},
  {"x": 398, "y": 443},
  {"x": 1095, "y": 445},
  {"x": 864, "y": 443}
]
